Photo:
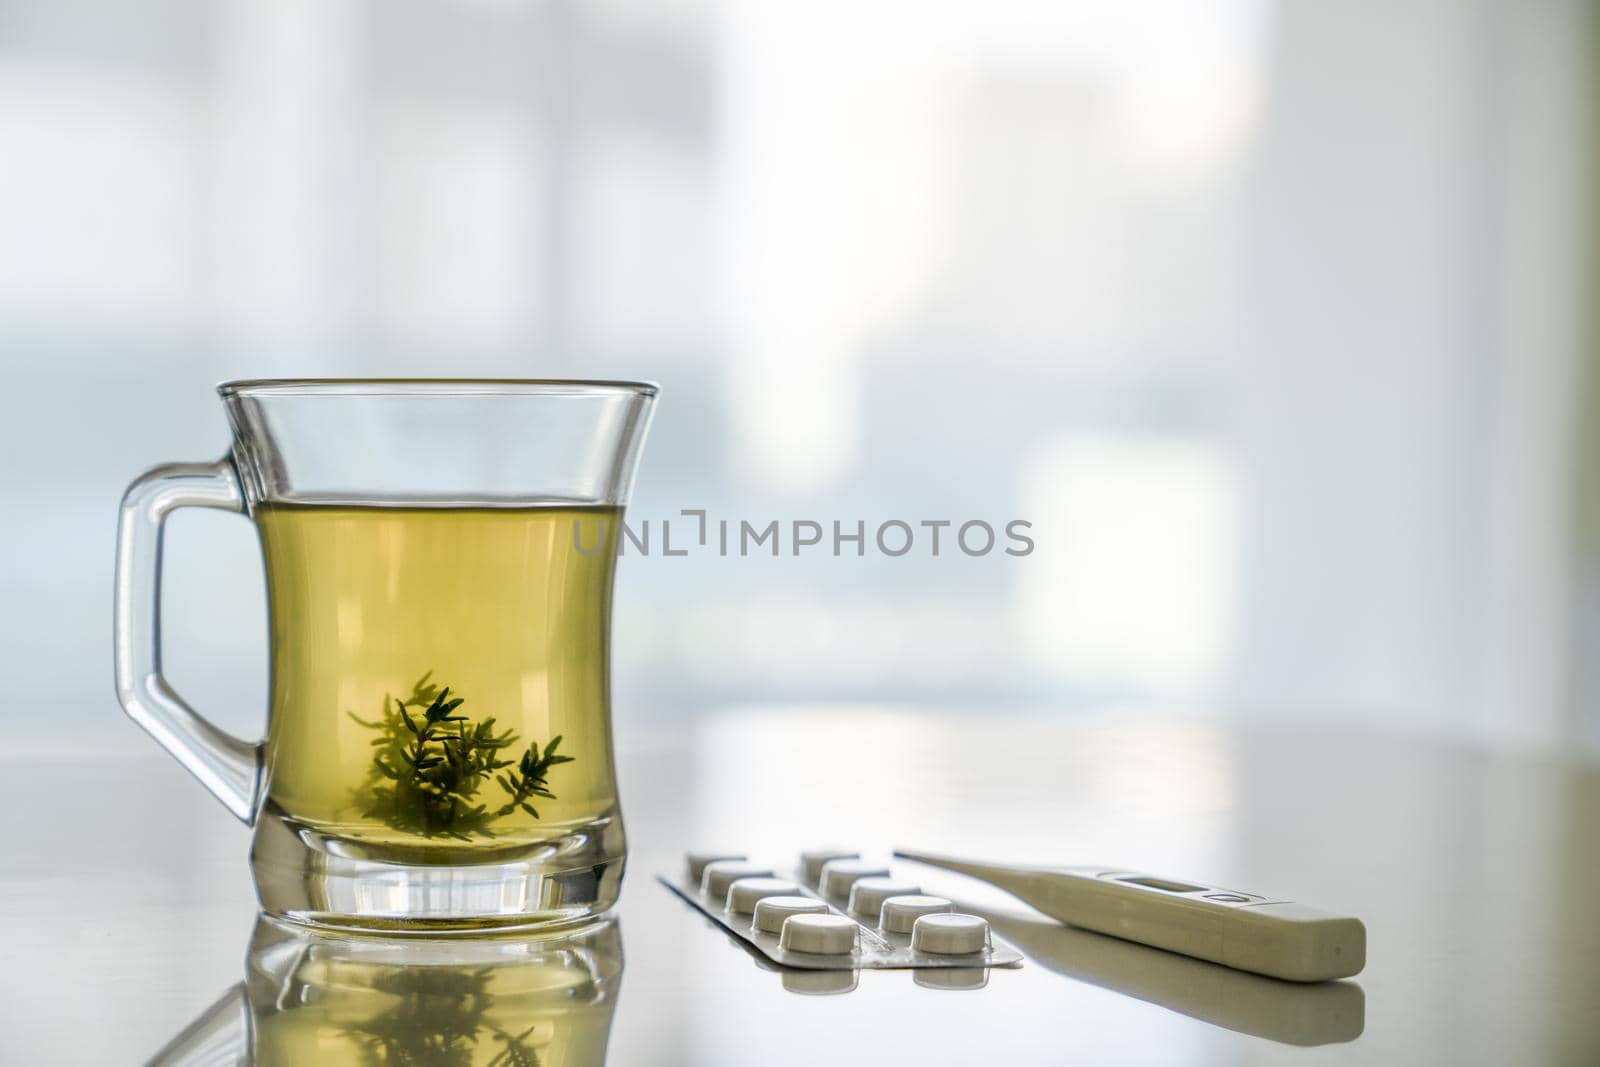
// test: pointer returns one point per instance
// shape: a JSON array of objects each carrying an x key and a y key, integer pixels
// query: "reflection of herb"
[
  {"x": 437, "y": 1021},
  {"x": 432, "y": 761}
]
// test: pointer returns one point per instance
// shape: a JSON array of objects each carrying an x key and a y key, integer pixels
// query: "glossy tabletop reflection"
[{"x": 129, "y": 924}]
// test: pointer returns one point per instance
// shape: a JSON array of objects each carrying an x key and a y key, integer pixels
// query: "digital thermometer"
[{"x": 1278, "y": 938}]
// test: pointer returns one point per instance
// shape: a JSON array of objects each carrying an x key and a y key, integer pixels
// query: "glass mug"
[{"x": 439, "y": 557}]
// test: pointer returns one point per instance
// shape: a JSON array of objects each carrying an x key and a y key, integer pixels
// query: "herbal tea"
[
  {"x": 438, "y": 755},
  {"x": 439, "y": 675}
]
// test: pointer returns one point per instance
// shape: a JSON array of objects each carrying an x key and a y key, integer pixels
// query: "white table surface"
[{"x": 125, "y": 901}]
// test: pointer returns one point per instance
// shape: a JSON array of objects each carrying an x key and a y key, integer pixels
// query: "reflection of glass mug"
[
  {"x": 313, "y": 999},
  {"x": 439, "y": 559}
]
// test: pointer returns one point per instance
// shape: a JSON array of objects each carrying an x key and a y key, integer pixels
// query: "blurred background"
[{"x": 1274, "y": 319}]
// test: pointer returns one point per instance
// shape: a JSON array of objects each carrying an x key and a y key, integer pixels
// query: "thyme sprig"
[
  {"x": 431, "y": 762},
  {"x": 529, "y": 779}
]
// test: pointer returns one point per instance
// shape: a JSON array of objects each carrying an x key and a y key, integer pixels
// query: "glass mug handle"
[{"x": 227, "y": 766}]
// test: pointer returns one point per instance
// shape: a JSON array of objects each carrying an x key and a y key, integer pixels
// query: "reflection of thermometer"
[
  {"x": 1253, "y": 933},
  {"x": 1295, "y": 1013}
]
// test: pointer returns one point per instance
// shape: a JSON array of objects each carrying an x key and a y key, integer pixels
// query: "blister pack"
[{"x": 836, "y": 912}]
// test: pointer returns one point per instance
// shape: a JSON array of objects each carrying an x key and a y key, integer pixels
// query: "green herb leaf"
[{"x": 426, "y": 773}]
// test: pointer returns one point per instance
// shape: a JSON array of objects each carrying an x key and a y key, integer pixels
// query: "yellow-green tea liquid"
[{"x": 502, "y": 605}]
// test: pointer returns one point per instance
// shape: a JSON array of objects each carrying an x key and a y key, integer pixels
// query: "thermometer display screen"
[{"x": 1162, "y": 884}]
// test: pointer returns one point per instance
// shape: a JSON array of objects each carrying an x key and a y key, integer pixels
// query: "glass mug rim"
[{"x": 436, "y": 387}]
